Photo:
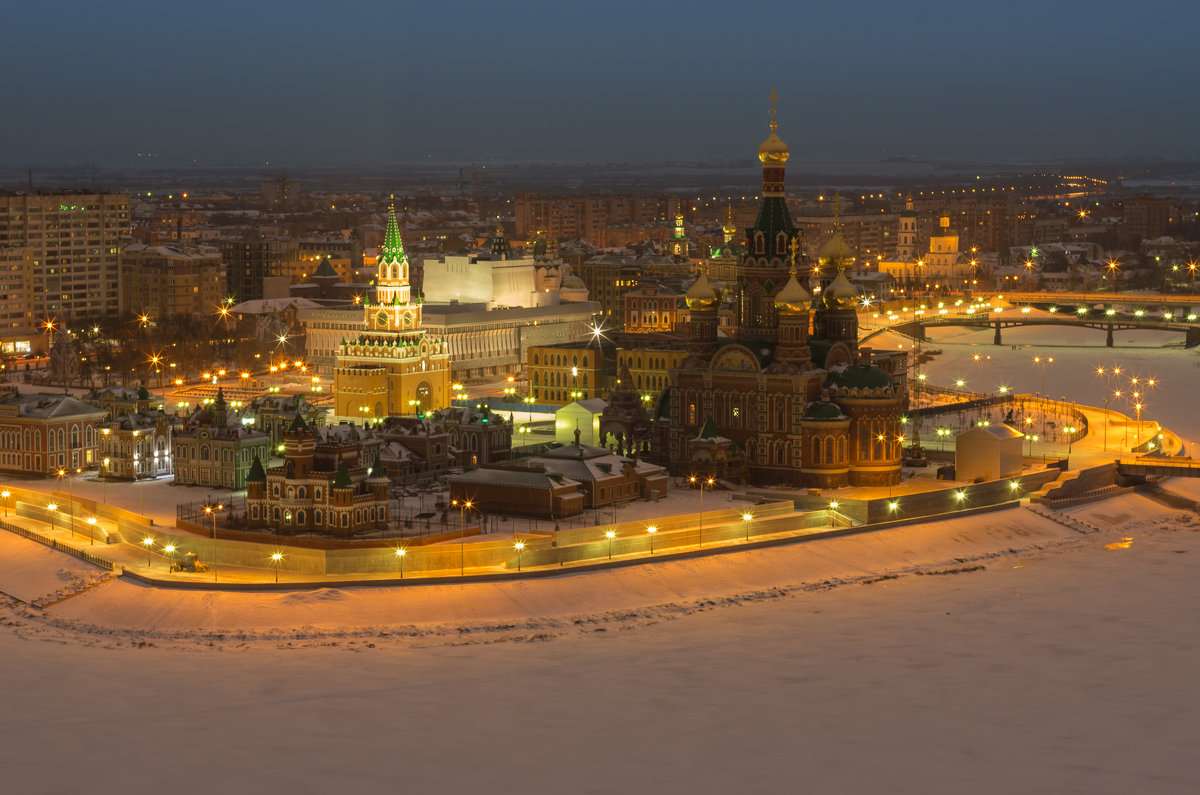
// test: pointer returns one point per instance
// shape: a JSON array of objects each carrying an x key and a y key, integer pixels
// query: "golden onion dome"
[
  {"x": 793, "y": 299},
  {"x": 702, "y": 294},
  {"x": 840, "y": 294},
  {"x": 834, "y": 250},
  {"x": 773, "y": 150}
]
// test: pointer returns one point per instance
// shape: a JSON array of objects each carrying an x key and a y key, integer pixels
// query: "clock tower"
[{"x": 393, "y": 367}]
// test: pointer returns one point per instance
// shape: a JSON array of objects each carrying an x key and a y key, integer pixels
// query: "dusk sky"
[{"x": 316, "y": 82}]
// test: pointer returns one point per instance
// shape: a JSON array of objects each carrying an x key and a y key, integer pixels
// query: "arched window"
[
  {"x": 299, "y": 517},
  {"x": 816, "y": 450},
  {"x": 760, "y": 243},
  {"x": 829, "y": 448},
  {"x": 300, "y": 492},
  {"x": 203, "y": 452},
  {"x": 316, "y": 517},
  {"x": 781, "y": 243},
  {"x": 74, "y": 436},
  {"x": 88, "y": 436}
]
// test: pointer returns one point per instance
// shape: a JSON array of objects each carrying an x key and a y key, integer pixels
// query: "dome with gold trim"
[
  {"x": 834, "y": 250},
  {"x": 702, "y": 294},
  {"x": 840, "y": 294},
  {"x": 773, "y": 150},
  {"x": 793, "y": 299}
]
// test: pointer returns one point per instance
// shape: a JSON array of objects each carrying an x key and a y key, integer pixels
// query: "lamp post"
[
  {"x": 104, "y": 481},
  {"x": 651, "y": 530},
  {"x": 1042, "y": 361},
  {"x": 5, "y": 495},
  {"x": 703, "y": 483},
  {"x": 520, "y": 547},
  {"x": 746, "y": 517},
  {"x": 52, "y": 507},
  {"x": 211, "y": 510},
  {"x": 91, "y": 522},
  {"x": 170, "y": 550},
  {"x": 610, "y": 535},
  {"x": 276, "y": 558},
  {"x": 463, "y": 505},
  {"x": 400, "y": 553},
  {"x": 148, "y": 543}
]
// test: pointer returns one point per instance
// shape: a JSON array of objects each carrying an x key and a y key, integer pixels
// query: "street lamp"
[
  {"x": 170, "y": 550},
  {"x": 400, "y": 553},
  {"x": 703, "y": 483},
  {"x": 610, "y": 535},
  {"x": 52, "y": 507},
  {"x": 211, "y": 510},
  {"x": 651, "y": 530},
  {"x": 276, "y": 558},
  {"x": 5, "y": 495},
  {"x": 746, "y": 517},
  {"x": 1042, "y": 361},
  {"x": 520, "y": 547},
  {"x": 91, "y": 521},
  {"x": 148, "y": 543},
  {"x": 463, "y": 505}
]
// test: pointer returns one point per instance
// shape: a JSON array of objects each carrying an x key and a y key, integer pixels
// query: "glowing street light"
[
  {"x": 170, "y": 550},
  {"x": 746, "y": 517},
  {"x": 519, "y": 546},
  {"x": 400, "y": 553},
  {"x": 212, "y": 511},
  {"x": 52, "y": 507},
  {"x": 651, "y": 530},
  {"x": 4, "y": 495},
  {"x": 276, "y": 559},
  {"x": 463, "y": 505},
  {"x": 703, "y": 483},
  {"x": 148, "y": 543}
]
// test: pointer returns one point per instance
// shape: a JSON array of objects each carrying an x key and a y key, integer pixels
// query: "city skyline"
[{"x": 293, "y": 85}]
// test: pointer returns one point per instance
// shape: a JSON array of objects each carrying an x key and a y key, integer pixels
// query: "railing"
[{"x": 54, "y": 543}]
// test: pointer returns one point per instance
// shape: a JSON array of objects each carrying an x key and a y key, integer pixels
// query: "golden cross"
[
  {"x": 774, "y": 101},
  {"x": 795, "y": 247}
]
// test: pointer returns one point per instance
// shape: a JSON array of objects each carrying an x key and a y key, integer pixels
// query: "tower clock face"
[
  {"x": 408, "y": 318},
  {"x": 381, "y": 319}
]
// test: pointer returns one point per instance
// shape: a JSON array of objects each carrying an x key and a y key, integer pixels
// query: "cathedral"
[
  {"x": 392, "y": 367},
  {"x": 790, "y": 398}
]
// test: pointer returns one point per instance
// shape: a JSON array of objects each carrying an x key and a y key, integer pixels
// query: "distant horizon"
[{"x": 381, "y": 82}]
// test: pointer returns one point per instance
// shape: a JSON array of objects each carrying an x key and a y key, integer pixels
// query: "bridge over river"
[{"x": 1107, "y": 323}]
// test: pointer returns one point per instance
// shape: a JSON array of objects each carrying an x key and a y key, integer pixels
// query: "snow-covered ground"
[{"x": 1004, "y": 653}]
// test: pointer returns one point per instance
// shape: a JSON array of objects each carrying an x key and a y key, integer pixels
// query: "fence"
[{"x": 53, "y": 543}]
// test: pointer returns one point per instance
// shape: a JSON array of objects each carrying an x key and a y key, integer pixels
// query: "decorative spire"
[
  {"x": 393, "y": 246},
  {"x": 773, "y": 151}
]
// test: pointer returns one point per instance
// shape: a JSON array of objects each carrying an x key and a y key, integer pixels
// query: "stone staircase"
[{"x": 1070, "y": 522}]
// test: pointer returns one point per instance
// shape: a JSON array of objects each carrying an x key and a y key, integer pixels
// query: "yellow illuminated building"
[{"x": 392, "y": 368}]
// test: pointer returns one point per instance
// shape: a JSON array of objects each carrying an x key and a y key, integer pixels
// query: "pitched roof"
[
  {"x": 256, "y": 474},
  {"x": 342, "y": 479}
]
